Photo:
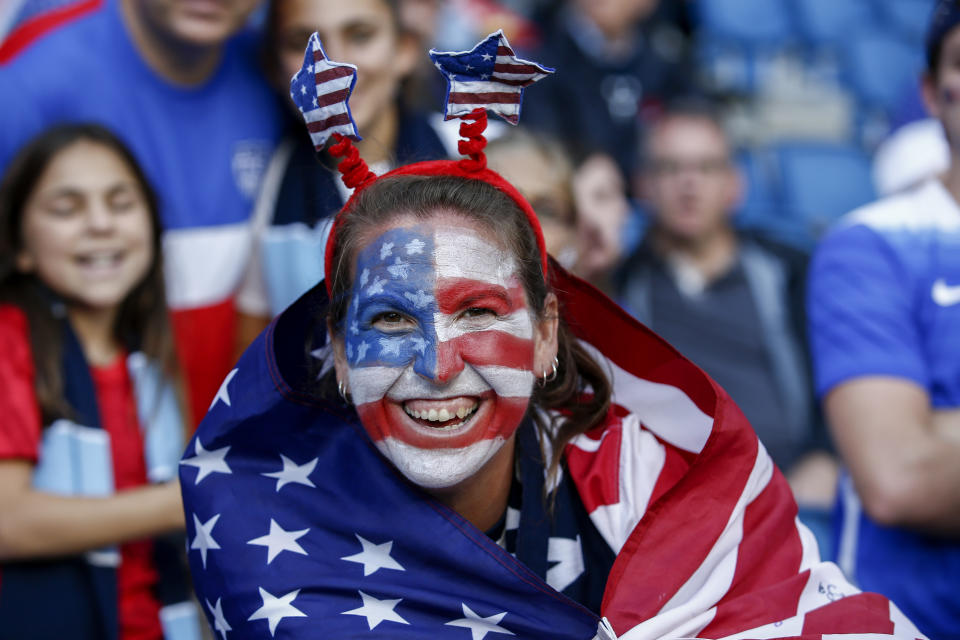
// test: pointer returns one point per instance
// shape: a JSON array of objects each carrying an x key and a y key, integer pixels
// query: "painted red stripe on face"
[
  {"x": 457, "y": 294},
  {"x": 483, "y": 348},
  {"x": 496, "y": 416}
]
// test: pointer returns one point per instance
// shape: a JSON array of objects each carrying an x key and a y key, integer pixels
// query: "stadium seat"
[
  {"x": 909, "y": 17},
  {"x": 745, "y": 21},
  {"x": 827, "y": 22},
  {"x": 879, "y": 67},
  {"x": 821, "y": 182}
]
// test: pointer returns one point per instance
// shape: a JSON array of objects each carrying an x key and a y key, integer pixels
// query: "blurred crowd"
[{"x": 162, "y": 201}]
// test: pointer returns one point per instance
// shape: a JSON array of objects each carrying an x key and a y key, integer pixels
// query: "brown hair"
[
  {"x": 142, "y": 321},
  {"x": 581, "y": 390}
]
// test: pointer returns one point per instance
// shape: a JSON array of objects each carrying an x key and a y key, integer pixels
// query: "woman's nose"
[{"x": 441, "y": 364}]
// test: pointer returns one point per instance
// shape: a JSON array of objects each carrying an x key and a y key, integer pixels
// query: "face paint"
[{"x": 439, "y": 345}]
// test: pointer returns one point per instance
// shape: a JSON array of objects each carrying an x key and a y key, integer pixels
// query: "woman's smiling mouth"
[{"x": 445, "y": 415}]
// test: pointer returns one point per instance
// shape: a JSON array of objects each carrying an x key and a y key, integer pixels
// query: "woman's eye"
[
  {"x": 392, "y": 322},
  {"x": 478, "y": 317}
]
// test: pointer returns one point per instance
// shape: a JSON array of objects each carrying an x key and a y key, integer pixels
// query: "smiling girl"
[{"x": 90, "y": 417}]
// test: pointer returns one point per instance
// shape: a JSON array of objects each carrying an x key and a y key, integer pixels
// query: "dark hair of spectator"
[
  {"x": 581, "y": 390},
  {"x": 142, "y": 321}
]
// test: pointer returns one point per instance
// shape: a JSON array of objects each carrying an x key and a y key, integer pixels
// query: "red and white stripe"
[
  {"x": 705, "y": 526},
  {"x": 502, "y": 93},
  {"x": 334, "y": 82}
]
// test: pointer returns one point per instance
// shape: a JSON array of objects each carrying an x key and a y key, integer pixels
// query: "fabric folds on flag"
[
  {"x": 296, "y": 525},
  {"x": 489, "y": 76}
]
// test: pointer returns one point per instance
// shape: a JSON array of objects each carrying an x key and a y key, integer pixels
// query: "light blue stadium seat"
[
  {"x": 879, "y": 67},
  {"x": 747, "y": 21},
  {"x": 827, "y": 22},
  {"x": 909, "y": 17},
  {"x": 821, "y": 182}
]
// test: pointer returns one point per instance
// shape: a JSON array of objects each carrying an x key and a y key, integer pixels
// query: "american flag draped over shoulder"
[
  {"x": 298, "y": 528},
  {"x": 489, "y": 76},
  {"x": 321, "y": 89}
]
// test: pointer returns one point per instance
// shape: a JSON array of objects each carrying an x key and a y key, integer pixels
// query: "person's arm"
[
  {"x": 903, "y": 456},
  {"x": 34, "y": 524}
]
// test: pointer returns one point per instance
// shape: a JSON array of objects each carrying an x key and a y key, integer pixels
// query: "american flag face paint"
[{"x": 439, "y": 345}]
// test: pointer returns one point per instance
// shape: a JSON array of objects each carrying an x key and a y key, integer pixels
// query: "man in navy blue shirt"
[{"x": 885, "y": 328}]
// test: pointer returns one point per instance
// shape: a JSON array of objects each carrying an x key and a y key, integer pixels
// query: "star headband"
[{"x": 489, "y": 77}]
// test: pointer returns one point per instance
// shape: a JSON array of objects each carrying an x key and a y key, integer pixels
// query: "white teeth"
[{"x": 442, "y": 415}]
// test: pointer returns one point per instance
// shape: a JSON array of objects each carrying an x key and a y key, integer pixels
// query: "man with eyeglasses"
[{"x": 732, "y": 303}]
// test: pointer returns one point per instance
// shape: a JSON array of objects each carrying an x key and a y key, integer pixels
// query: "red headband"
[{"x": 489, "y": 76}]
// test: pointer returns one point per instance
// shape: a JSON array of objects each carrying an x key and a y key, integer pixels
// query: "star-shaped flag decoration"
[
  {"x": 489, "y": 76},
  {"x": 374, "y": 556},
  {"x": 207, "y": 462},
  {"x": 219, "y": 622},
  {"x": 478, "y": 625},
  {"x": 276, "y": 609},
  {"x": 203, "y": 538},
  {"x": 223, "y": 393},
  {"x": 293, "y": 473},
  {"x": 321, "y": 89},
  {"x": 278, "y": 540},
  {"x": 377, "y": 611}
]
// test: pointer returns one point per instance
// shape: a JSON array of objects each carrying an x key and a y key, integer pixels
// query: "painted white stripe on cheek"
[
  {"x": 507, "y": 382},
  {"x": 369, "y": 384}
]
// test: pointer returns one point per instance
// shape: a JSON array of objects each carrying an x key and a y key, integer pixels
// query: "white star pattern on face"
[
  {"x": 362, "y": 350},
  {"x": 223, "y": 393},
  {"x": 386, "y": 250},
  {"x": 203, "y": 540},
  {"x": 374, "y": 556},
  {"x": 376, "y": 286},
  {"x": 349, "y": 351},
  {"x": 208, "y": 462},
  {"x": 279, "y": 540},
  {"x": 292, "y": 473},
  {"x": 420, "y": 299},
  {"x": 364, "y": 276},
  {"x": 377, "y": 611},
  {"x": 419, "y": 344},
  {"x": 219, "y": 622},
  {"x": 276, "y": 609},
  {"x": 354, "y": 328},
  {"x": 390, "y": 346},
  {"x": 399, "y": 269},
  {"x": 415, "y": 246},
  {"x": 479, "y": 626}
]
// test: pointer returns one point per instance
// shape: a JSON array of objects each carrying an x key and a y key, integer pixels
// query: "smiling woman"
[{"x": 509, "y": 454}]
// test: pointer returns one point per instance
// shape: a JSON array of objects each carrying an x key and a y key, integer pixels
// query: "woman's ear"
[
  {"x": 545, "y": 345},
  {"x": 24, "y": 261},
  {"x": 339, "y": 353}
]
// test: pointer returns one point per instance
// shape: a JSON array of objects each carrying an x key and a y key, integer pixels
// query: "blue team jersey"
[{"x": 885, "y": 300}]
